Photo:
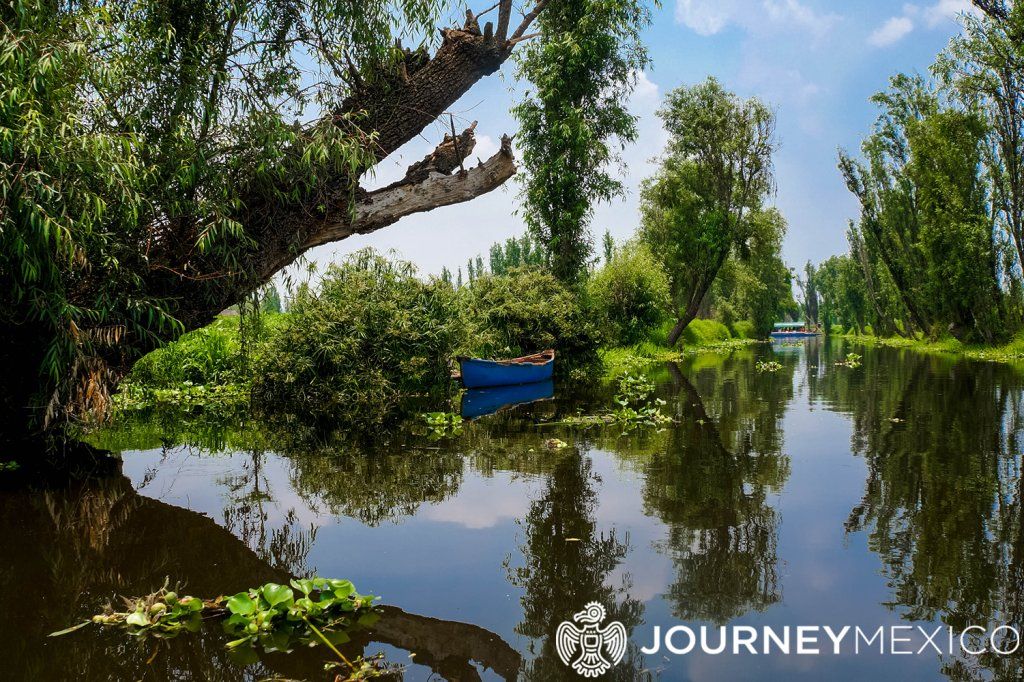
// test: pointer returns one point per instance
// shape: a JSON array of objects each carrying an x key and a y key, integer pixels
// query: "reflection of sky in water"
[{"x": 451, "y": 559}]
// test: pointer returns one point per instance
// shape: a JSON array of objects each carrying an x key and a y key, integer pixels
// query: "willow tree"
[
  {"x": 583, "y": 66},
  {"x": 925, "y": 209},
  {"x": 160, "y": 159},
  {"x": 717, "y": 172}
]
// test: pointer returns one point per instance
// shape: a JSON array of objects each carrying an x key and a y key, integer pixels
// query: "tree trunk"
[
  {"x": 389, "y": 114},
  {"x": 680, "y": 326}
]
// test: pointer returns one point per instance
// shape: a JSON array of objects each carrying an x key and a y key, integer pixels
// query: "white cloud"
[
  {"x": 942, "y": 11},
  {"x": 708, "y": 17},
  {"x": 931, "y": 16},
  {"x": 646, "y": 90},
  {"x": 892, "y": 31},
  {"x": 485, "y": 148}
]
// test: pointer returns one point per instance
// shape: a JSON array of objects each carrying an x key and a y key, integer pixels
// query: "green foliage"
[
  {"x": 279, "y": 617},
  {"x": 754, "y": 284},
  {"x": 272, "y": 617},
  {"x": 982, "y": 69},
  {"x": 442, "y": 424},
  {"x": 162, "y": 614},
  {"x": 528, "y": 310},
  {"x": 743, "y": 329},
  {"x": 636, "y": 406},
  {"x": 210, "y": 355},
  {"x": 924, "y": 214},
  {"x": 716, "y": 173},
  {"x": 851, "y": 360},
  {"x": 630, "y": 294},
  {"x": 133, "y": 139},
  {"x": 809, "y": 291},
  {"x": 582, "y": 67},
  {"x": 767, "y": 366},
  {"x": 514, "y": 253},
  {"x": 705, "y": 333},
  {"x": 372, "y": 333}
]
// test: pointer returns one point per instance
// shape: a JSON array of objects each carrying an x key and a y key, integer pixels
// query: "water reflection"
[
  {"x": 82, "y": 544},
  {"x": 943, "y": 500},
  {"x": 483, "y": 543},
  {"x": 710, "y": 486},
  {"x": 567, "y": 562}
]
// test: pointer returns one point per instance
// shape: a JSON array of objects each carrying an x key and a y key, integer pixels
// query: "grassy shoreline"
[{"x": 1010, "y": 352}]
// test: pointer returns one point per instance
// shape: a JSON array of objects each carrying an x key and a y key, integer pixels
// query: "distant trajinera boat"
[{"x": 793, "y": 330}]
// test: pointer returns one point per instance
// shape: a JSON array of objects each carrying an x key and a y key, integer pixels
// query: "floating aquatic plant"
[
  {"x": 441, "y": 424},
  {"x": 637, "y": 407},
  {"x": 271, "y": 617},
  {"x": 852, "y": 360},
  {"x": 768, "y": 366}
]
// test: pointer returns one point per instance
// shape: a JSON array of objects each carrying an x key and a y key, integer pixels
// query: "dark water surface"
[{"x": 886, "y": 494}]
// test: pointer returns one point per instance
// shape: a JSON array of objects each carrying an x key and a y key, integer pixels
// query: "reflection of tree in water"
[
  {"x": 566, "y": 564},
  {"x": 249, "y": 494},
  {"x": 82, "y": 542},
  {"x": 943, "y": 500},
  {"x": 710, "y": 486},
  {"x": 375, "y": 486}
]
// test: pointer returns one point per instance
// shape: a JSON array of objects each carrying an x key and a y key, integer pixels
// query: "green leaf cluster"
[
  {"x": 582, "y": 68},
  {"x": 144, "y": 148},
  {"x": 277, "y": 617}
]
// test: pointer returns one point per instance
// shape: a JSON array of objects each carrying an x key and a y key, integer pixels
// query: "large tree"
[
  {"x": 582, "y": 67},
  {"x": 716, "y": 172},
  {"x": 984, "y": 65},
  {"x": 925, "y": 209},
  {"x": 159, "y": 159}
]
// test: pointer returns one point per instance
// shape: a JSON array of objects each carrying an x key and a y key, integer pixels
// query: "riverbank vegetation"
[
  {"x": 370, "y": 334},
  {"x": 217, "y": 188},
  {"x": 935, "y": 259}
]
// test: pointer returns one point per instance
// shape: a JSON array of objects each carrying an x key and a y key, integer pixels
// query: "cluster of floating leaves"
[
  {"x": 442, "y": 424},
  {"x": 768, "y": 366},
  {"x": 636, "y": 407},
  {"x": 852, "y": 360},
  {"x": 270, "y": 618}
]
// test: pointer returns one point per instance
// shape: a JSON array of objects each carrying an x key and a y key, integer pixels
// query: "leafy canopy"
[
  {"x": 134, "y": 133},
  {"x": 583, "y": 67}
]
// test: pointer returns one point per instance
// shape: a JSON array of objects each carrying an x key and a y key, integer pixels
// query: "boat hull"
[{"x": 479, "y": 373}]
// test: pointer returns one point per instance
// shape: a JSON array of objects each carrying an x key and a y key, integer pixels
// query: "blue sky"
[{"x": 815, "y": 62}]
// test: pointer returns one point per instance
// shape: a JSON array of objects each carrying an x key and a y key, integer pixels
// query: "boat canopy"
[{"x": 790, "y": 325}]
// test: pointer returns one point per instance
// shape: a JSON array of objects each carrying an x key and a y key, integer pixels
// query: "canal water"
[{"x": 886, "y": 494}]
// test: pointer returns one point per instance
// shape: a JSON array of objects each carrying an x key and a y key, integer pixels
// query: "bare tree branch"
[
  {"x": 504, "y": 13},
  {"x": 417, "y": 193},
  {"x": 528, "y": 19}
]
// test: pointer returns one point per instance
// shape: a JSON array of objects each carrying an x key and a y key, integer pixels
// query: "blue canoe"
[
  {"x": 529, "y": 369},
  {"x": 477, "y": 402}
]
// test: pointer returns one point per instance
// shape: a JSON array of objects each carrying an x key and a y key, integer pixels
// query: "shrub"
[
  {"x": 528, "y": 310},
  {"x": 373, "y": 333},
  {"x": 211, "y": 355},
  {"x": 743, "y": 329},
  {"x": 705, "y": 332},
  {"x": 630, "y": 294}
]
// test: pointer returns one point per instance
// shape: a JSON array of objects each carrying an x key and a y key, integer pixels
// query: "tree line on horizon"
[{"x": 938, "y": 247}]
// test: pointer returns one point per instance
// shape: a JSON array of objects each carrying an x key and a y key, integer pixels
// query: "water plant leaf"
[
  {"x": 241, "y": 604},
  {"x": 277, "y": 594},
  {"x": 137, "y": 618},
  {"x": 70, "y": 629}
]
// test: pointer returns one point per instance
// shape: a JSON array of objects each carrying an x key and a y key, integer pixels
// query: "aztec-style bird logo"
[{"x": 599, "y": 648}]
